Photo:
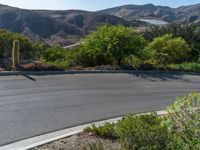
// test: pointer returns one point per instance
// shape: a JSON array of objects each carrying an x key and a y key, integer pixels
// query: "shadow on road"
[
  {"x": 29, "y": 77},
  {"x": 160, "y": 76}
]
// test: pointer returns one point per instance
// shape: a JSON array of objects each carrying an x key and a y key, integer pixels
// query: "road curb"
[
  {"x": 42, "y": 73},
  {"x": 57, "y": 135},
  {"x": 9, "y": 73}
]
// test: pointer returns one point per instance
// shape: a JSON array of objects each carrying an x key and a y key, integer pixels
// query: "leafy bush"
[
  {"x": 190, "y": 33},
  {"x": 176, "y": 142},
  {"x": 142, "y": 132},
  {"x": 109, "y": 45},
  {"x": 57, "y": 56},
  {"x": 133, "y": 61},
  {"x": 107, "y": 130},
  {"x": 191, "y": 66},
  {"x": 183, "y": 121},
  {"x": 27, "y": 49},
  {"x": 135, "y": 132},
  {"x": 166, "y": 49},
  {"x": 179, "y": 129}
]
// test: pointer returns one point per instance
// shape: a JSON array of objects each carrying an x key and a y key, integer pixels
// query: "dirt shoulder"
[{"x": 77, "y": 142}]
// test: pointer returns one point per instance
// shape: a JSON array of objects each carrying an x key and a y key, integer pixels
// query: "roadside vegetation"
[
  {"x": 28, "y": 50},
  {"x": 173, "y": 47},
  {"x": 57, "y": 56},
  {"x": 178, "y": 129}
]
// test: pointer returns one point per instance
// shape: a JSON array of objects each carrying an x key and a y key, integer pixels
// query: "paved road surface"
[{"x": 33, "y": 105}]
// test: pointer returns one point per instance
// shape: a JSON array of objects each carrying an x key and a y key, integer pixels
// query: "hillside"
[
  {"x": 54, "y": 27},
  {"x": 68, "y": 27},
  {"x": 188, "y": 14}
]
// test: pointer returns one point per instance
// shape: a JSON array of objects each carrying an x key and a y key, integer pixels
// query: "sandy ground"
[{"x": 77, "y": 142}]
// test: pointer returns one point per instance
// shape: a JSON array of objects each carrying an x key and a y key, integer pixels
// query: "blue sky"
[{"x": 91, "y": 5}]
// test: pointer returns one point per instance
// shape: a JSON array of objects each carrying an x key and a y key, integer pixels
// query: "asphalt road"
[{"x": 34, "y": 105}]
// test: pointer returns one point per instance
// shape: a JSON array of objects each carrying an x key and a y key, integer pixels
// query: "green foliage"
[
  {"x": 91, "y": 58},
  {"x": 167, "y": 49},
  {"x": 179, "y": 129},
  {"x": 15, "y": 53},
  {"x": 109, "y": 45},
  {"x": 107, "y": 130},
  {"x": 183, "y": 119},
  {"x": 190, "y": 67},
  {"x": 135, "y": 132},
  {"x": 132, "y": 60},
  {"x": 117, "y": 45},
  {"x": 6, "y": 41},
  {"x": 57, "y": 56},
  {"x": 54, "y": 54},
  {"x": 176, "y": 142},
  {"x": 94, "y": 146},
  {"x": 142, "y": 132},
  {"x": 149, "y": 65},
  {"x": 38, "y": 49},
  {"x": 190, "y": 33}
]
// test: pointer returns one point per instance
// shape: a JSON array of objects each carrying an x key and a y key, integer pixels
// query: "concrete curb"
[
  {"x": 57, "y": 135},
  {"x": 9, "y": 73},
  {"x": 42, "y": 73}
]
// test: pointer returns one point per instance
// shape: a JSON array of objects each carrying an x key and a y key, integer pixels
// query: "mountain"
[
  {"x": 67, "y": 27},
  {"x": 85, "y": 21},
  {"x": 55, "y": 27},
  {"x": 131, "y": 12},
  {"x": 184, "y": 14},
  {"x": 190, "y": 14}
]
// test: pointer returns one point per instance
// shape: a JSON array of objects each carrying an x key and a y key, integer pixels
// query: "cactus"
[{"x": 15, "y": 54}]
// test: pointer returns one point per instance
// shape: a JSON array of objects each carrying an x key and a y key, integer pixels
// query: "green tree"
[
  {"x": 190, "y": 33},
  {"x": 166, "y": 49},
  {"x": 27, "y": 50},
  {"x": 58, "y": 56},
  {"x": 110, "y": 45},
  {"x": 54, "y": 54}
]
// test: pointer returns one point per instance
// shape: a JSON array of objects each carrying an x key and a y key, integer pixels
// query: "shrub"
[
  {"x": 133, "y": 61},
  {"x": 54, "y": 54},
  {"x": 57, "y": 56},
  {"x": 190, "y": 33},
  {"x": 142, "y": 132},
  {"x": 107, "y": 130},
  {"x": 166, "y": 49},
  {"x": 176, "y": 142},
  {"x": 179, "y": 129},
  {"x": 135, "y": 132},
  {"x": 27, "y": 50},
  {"x": 183, "y": 121},
  {"x": 191, "y": 66},
  {"x": 109, "y": 45}
]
